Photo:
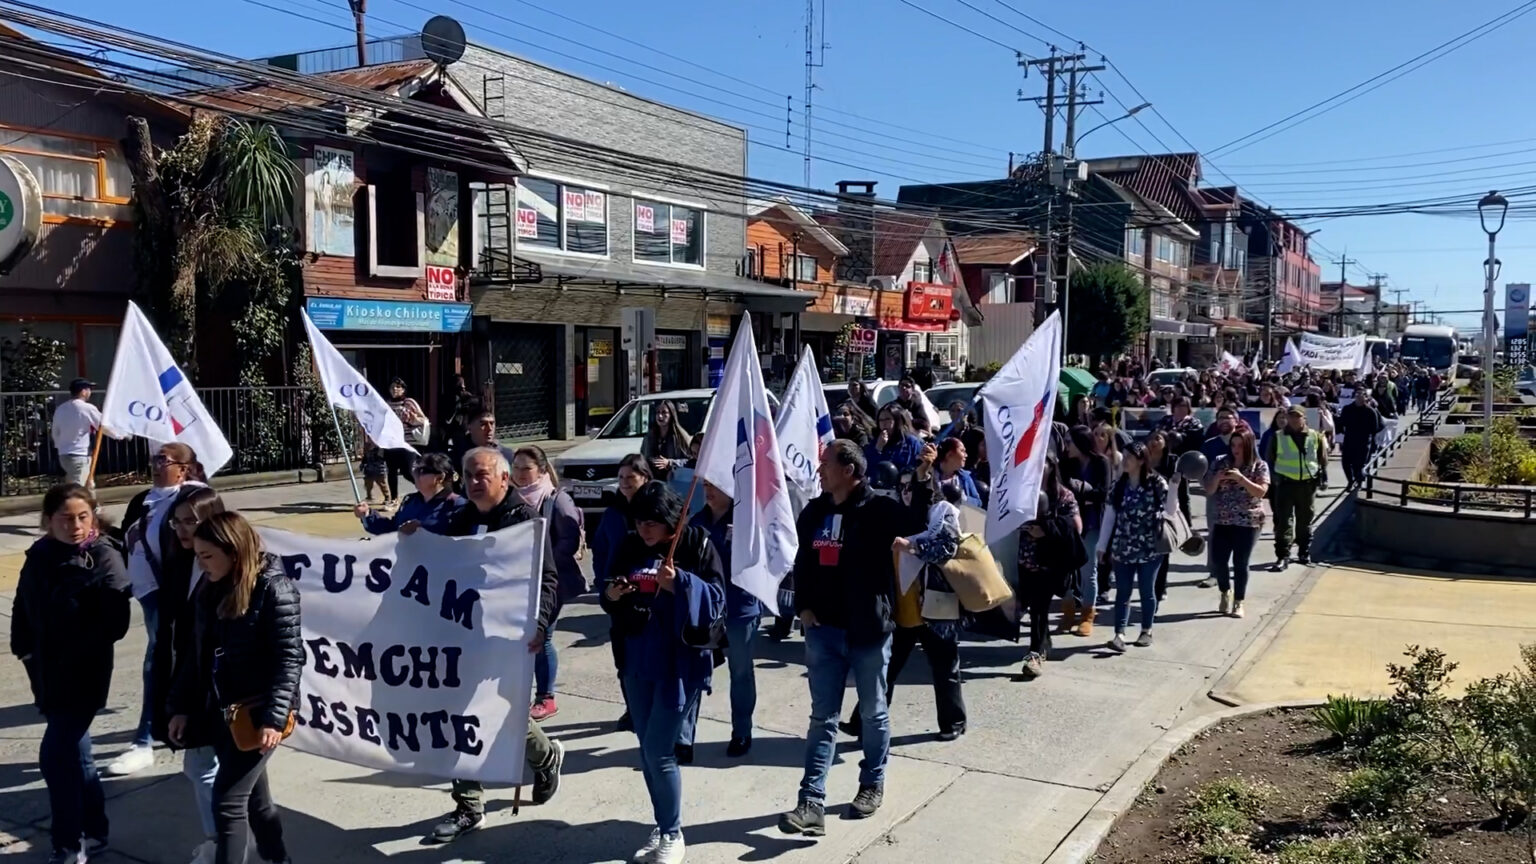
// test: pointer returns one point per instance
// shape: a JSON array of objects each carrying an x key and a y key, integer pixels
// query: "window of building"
[
  {"x": 1164, "y": 248},
  {"x": 567, "y": 217},
  {"x": 945, "y": 349},
  {"x": 668, "y": 233},
  {"x": 396, "y": 225},
  {"x": 802, "y": 267},
  {"x": 922, "y": 271},
  {"x": 752, "y": 263},
  {"x": 1135, "y": 243},
  {"x": 1162, "y": 305},
  {"x": 82, "y": 178},
  {"x": 998, "y": 287}
]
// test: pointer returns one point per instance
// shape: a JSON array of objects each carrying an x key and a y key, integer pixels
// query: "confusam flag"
[
  {"x": 1019, "y": 404},
  {"x": 1231, "y": 364},
  {"x": 148, "y": 396},
  {"x": 741, "y": 457},
  {"x": 346, "y": 388},
  {"x": 805, "y": 425},
  {"x": 1290, "y": 360}
]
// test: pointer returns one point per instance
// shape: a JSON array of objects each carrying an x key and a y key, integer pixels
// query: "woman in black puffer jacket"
[
  {"x": 71, "y": 607},
  {"x": 246, "y": 649}
]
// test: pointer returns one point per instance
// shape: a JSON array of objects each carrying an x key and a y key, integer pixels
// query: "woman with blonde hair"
[{"x": 246, "y": 652}]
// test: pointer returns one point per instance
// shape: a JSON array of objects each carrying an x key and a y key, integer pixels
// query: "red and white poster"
[
  {"x": 680, "y": 232},
  {"x": 575, "y": 205},
  {"x": 645, "y": 218},
  {"x": 442, "y": 284},
  {"x": 861, "y": 340},
  {"x": 596, "y": 206},
  {"x": 527, "y": 222}
]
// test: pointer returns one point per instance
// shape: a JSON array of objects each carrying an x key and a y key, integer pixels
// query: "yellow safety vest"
[{"x": 1290, "y": 462}]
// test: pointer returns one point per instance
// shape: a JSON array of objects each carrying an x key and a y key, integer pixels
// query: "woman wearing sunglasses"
[{"x": 432, "y": 505}]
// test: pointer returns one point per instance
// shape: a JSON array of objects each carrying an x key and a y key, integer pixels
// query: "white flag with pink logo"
[
  {"x": 741, "y": 457},
  {"x": 148, "y": 396},
  {"x": 1020, "y": 405}
]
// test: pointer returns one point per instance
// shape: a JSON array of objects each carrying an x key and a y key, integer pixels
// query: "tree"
[
  {"x": 1106, "y": 311},
  {"x": 207, "y": 207}
]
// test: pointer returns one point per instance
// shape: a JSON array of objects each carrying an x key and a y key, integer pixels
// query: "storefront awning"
[{"x": 758, "y": 296}]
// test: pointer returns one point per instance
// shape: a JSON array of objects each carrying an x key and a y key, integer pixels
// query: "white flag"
[
  {"x": 1290, "y": 360},
  {"x": 345, "y": 387},
  {"x": 1370, "y": 365},
  {"x": 1229, "y": 363},
  {"x": 741, "y": 457},
  {"x": 805, "y": 425},
  {"x": 1020, "y": 403},
  {"x": 148, "y": 396}
]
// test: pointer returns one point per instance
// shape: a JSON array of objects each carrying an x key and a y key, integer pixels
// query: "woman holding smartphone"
[
  {"x": 1235, "y": 490},
  {"x": 246, "y": 651}
]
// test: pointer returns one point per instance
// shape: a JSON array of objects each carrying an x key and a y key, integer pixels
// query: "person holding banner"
[
  {"x": 71, "y": 607},
  {"x": 494, "y": 505},
  {"x": 666, "y": 593},
  {"x": 433, "y": 504},
  {"x": 246, "y": 651}
]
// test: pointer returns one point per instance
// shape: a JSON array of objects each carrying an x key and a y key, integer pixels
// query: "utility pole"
[
  {"x": 359, "y": 12},
  {"x": 811, "y": 65},
  {"x": 1376, "y": 285},
  {"x": 1397, "y": 304},
  {"x": 1343, "y": 286}
]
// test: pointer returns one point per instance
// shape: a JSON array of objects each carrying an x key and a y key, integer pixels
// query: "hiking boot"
[
  {"x": 458, "y": 823},
  {"x": 683, "y": 753},
  {"x": 1226, "y": 603},
  {"x": 866, "y": 802},
  {"x": 808, "y": 818},
  {"x": 738, "y": 747},
  {"x": 1280, "y": 564},
  {"x": 1117, "y": 644},
  {"x": 1034, "y": 665},
  {"x": 1144, "y": 640},
  {"x": 546, "y": 778},
  {"x": 1085, "y": 626},
  {"x": 543, "y": 709}
]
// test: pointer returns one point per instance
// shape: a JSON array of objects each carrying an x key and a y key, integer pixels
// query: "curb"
[{"x": 1083, "y": 842}]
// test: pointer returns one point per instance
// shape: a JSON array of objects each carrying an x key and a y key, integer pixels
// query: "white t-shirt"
[{"x": 74, "y": 424}]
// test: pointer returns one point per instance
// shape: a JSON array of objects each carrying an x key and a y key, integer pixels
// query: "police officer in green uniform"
[{"x": 1300, "y": 457}]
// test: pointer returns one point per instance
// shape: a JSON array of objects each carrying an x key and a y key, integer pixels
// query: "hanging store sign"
[
  {"x": 671, "y": 342},
  {"x": 329, "y": 314},
  {"x": 861, "y": 340},
  {"x": 1517, "y": 309},
  {"x": 442, "y": 284},
  {"x": 21, "y": 211},
  {"x": 929, "y": 302},
  {"x": 863, "y": 307}
]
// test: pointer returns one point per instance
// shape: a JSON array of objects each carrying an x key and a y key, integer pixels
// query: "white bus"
[
  {"x": 1432, "y": 345},
  {"x": 1379, "y": 347}
]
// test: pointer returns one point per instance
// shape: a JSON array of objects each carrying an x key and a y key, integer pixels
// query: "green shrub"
[
  {"x": 1375, "y": 845},
  {"x": 1352, "y": 722},
  {"x": 1222, "y": 808},
  {"x": 1374, "y": 792},
  {"x": 1224, "y": 850}
]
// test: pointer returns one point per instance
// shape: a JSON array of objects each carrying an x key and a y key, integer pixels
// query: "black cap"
[{"x": 79, "y": 384}]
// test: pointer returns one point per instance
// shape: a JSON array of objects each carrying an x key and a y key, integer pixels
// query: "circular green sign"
[{"x": 7, "y": 211}]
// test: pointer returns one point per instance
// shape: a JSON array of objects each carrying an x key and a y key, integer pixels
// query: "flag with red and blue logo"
[
  {"x": 1019, "y": 405},
  {"x": 805, "y": 425}
]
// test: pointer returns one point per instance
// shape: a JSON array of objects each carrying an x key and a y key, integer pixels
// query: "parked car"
[
  {"x": 958, "y": 391},
  {"x": 879, "y": 389},
  {"x": 1170, "y": 376},
  {"x": 590, "y": 470}
]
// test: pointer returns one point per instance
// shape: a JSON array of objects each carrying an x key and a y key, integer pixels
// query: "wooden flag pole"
[
  {"x": 682, "y": 520},
  {"x": 90, "y": 477}
]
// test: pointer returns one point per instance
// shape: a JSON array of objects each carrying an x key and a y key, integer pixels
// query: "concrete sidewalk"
[{"x": 1037, "y": 757}]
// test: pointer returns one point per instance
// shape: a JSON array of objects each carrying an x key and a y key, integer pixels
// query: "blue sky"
[{"x": 1215, "y": 70}]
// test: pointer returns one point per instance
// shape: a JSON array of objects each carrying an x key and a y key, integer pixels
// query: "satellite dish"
[{"x": 442, "y": 40}]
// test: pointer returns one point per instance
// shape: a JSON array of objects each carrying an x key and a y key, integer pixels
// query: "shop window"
[
  {"x": 668, "y": 234},
  {"x": 396, "y": 227},
  {"x": 802, "y": 266},
  {"x": 945, "y": 350},
  {"x": 565, "y": 217},
  {"x": 81, "y": 178}
]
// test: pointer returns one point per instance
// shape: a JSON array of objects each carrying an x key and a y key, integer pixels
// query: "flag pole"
[
  {"x": 682, "y": 520},
  {"x": 341, "y": 441},
  {"x": 90, "y": 477}
]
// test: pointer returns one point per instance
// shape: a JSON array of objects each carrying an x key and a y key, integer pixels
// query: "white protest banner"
[
  {"x": 415, "y": 649},
  {"x": 148, "y": 396},
  {"x": 1327, "y": 352}
]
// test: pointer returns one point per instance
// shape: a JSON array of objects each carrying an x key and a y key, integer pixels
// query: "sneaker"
[
  {"x": 458, "y": 823},
  {"x": 684, "y": 754},
  {"x": 738, "y": 747},
  {"x": 1226, "y": 603},
  {"x": 67, "y": 856},
  {"x": 1117, "y": 644},
  {"x": 546, "y": 778},
  {"x": 808, "y": 818},
  {"x": 1034, "y": 665},
  {"x": 647, "y": 852},
  {"x": 669, "y": 851},
  {"x": 866, "y": 802},
  {"x": 543, "y": 708},
  {"x": 1144, "y": 640},
  {"x": 1280, "y": 564},
  {"x": 1207, "y": 582},
  {"x": 1237, "y": 611},
  {"x": 132, "y": 761},
  {"x": 205, "y": 852}
]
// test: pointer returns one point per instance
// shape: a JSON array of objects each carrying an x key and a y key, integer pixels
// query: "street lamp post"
[{"x": 1491, "y": 211}]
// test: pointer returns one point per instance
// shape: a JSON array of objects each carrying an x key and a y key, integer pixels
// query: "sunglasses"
[{"x": 162, "y": 459}]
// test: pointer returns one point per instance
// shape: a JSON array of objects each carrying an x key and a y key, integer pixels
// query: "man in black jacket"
[
  {"x": 1360, "y": 422},
  {"x": 845, "y": 590},
  {"x": 496, "y": 505},
  {"x": 479, "y": 431}
]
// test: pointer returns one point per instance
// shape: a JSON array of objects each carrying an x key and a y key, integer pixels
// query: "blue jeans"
[
  {"x": 740, "y": 633},
  {"x": 657, "y": 724},
  {"x": 201, "y": 765},
  {"x": 546, "y": 664},
  {"x": 74, "y": 787},
  {"x": 829, "y": 659},
  {"x": 1144, "y": 575},
  {"x": 144, "y": 735},
  {"x": 1088, "y": 574},
  {"x": 690, "y": 725}
]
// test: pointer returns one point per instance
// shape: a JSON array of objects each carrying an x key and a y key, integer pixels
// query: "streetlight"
[
  {"x": 1130, "y": 112},
  {"x": 1492, "y": 208}
]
